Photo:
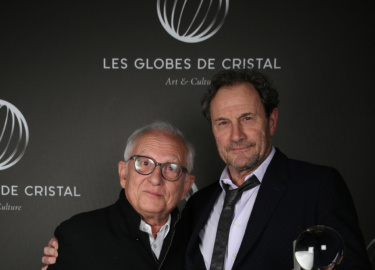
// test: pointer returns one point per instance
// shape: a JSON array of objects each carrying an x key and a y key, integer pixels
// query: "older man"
[{"x": 141, "y": 230}]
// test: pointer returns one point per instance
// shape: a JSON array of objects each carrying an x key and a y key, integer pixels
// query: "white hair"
[{"x": 163, "y": 126}]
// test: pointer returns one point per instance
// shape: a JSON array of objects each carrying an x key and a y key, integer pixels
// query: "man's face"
[
  {"x": 241, "y": 129},
  {"x": 151, "y": 195}
]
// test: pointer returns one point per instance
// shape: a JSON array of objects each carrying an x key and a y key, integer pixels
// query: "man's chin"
[
  {"x": 151, "y": 211},
  {"x": 244, "y": 166},
  {"x": 152, "y": 206}
]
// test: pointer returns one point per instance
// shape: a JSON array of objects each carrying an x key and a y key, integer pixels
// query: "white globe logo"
[
  {"x": 14, "y": 135},
  {"x": 192, "y": 21}
]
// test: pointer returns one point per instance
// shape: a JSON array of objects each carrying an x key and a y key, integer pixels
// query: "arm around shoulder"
[{"x": 67, "y": 254}]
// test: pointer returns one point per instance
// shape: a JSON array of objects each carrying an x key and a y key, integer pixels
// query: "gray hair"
[{"x": 163, "y": 126}]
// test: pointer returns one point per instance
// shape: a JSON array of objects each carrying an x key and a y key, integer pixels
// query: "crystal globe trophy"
[{"x": 318, "y": 248}]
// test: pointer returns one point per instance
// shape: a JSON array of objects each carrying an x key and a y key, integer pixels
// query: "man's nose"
[
  {"x": 156, "y": 177},
  {"x": 237, "y": 132}
]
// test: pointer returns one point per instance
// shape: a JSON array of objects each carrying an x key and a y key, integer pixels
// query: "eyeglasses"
[{"x": 169, "y": 170}]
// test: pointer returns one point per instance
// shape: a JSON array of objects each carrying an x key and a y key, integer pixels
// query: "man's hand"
[{"x": 50, "y": 253}]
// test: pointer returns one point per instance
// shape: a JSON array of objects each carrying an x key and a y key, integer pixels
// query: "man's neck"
[
  {"x": 156, "y": 222},
  {"x": 238, "y": 178}
]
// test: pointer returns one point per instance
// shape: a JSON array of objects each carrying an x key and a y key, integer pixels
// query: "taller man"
[{"x": 241, "y": 107}]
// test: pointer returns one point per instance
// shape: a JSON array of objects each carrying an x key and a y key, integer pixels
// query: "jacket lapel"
[
  {"x": 205, "y": 208},
  {"x": 200, "y": 214},
  {"x": 270, "y": 193}
]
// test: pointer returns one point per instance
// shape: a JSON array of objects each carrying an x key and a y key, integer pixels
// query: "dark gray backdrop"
[{"x": 56, "y": 69}]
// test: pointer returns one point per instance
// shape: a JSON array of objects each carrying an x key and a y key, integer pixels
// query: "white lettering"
[
  {"x": 6, "y": 190},
  {"x": 159, "y": 63},
  {"x": 259, "y": 63},
  {"x": 202, "y": 81},
  {"x": 59, "y": 188},
  {"x": 187, "y": 63},
  {"x": 203, "y": 63},
  {"x": 51, "y": 191},
  {"x": 171, "y": 82},
  {"x": 26, "y": 191},
  {"x": 8, "y": 207},
  {"x": 115, "y": 63},
  {"x": 38, "y": 190},
  {"x": 124, "y": 64},
  {"x": 68, "y": 192},
  {"x": 105, "y": 64}
]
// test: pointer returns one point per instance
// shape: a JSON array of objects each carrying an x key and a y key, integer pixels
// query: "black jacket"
[
  {"x": 110, "y": 238},
  {"x": 293, "y": 196}
]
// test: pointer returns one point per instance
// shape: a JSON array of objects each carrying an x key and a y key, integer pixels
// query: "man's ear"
[
  {"x": 122, "y": 173},
  {"x": 187, "y": 185}
]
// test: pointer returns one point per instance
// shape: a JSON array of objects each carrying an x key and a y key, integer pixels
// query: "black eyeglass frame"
[{"x": 158, "y": 164}]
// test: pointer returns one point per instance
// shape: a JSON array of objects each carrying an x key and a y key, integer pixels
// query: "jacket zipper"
[{"x": 170, "y": 242}]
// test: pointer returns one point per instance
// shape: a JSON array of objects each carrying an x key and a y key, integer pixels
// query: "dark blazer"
[
  {"x": 293, "y": 196},
  {"x": 110, "y": 238}
]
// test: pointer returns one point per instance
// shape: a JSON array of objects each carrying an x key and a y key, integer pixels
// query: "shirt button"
[
  {"x": 234, "y": 255},
  {"x": 235, "y": 223},
  {"x": 155, "y": 246}
]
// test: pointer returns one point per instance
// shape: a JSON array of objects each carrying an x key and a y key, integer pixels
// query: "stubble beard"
[
  {"x": 252, "y": 163},
  {"x": 238, "y": 163}
]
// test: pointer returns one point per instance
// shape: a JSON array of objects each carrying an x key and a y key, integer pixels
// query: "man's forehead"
[
  {"x": 235, "y": 98},
  {"x": 159, "y": 136},
  {"x": 159, "y": 143}
]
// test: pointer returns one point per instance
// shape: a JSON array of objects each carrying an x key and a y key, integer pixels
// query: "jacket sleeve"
[
  {"x": 337, "y": 210},
  {"x": 67, "y": 255}
]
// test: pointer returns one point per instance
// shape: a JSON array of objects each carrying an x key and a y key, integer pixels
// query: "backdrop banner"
[{"x": 78, "y": 77}]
